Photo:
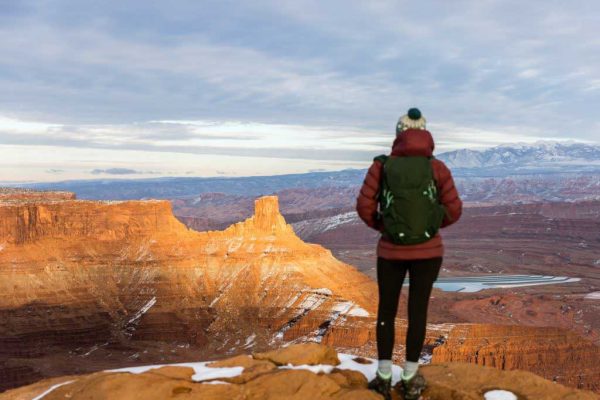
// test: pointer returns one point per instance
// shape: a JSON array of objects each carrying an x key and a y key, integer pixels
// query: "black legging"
[{"x": 390, "y": 277}]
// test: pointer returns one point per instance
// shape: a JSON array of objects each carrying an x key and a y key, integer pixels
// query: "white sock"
[
  {"x": 384, "y": 369},
  {"x": 410, "y": 369}
]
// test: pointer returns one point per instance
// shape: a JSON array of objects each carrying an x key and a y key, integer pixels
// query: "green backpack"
[{"x": 408, "y": 200}]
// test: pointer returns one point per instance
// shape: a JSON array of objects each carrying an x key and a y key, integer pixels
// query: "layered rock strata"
[
  {"x": 86, "y": 273},
  {"x": 296, "y": 372},
  {"x": 86, "y": 285}
]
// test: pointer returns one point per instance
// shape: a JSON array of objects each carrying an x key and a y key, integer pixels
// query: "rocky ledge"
[{"x": 303, "y": 371}]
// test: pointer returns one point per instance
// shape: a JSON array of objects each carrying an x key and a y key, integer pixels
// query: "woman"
[{"x": 422, "y": 261}]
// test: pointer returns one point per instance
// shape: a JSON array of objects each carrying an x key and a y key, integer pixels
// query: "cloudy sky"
[{"x": 95, "y": 89}]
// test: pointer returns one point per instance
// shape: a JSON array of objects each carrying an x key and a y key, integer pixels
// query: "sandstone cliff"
[
  {"x": 547, "y": 351},
  {"x": 85, "y": 273},
  {"x": 298, "y": 372},
  {"x": 87, "y": 285}
]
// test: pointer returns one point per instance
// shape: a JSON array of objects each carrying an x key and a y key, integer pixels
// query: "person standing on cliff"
[{"x": 407, "y": 196}]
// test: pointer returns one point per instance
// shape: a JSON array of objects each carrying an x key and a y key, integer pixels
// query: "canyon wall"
[
  {"x": 84, "y": 273},
  {"x": 553, "y": 353},
  {"x": 86, "y": 285}
]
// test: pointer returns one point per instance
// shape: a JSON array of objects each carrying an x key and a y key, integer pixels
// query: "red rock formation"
[
  {"x": 18, "y": 194},
  {"x": 260, "y": 377},
  {"x": 83, "y": 273},
  {"x": 547, "y": 351},
  {"x": 86, "y": 285}
]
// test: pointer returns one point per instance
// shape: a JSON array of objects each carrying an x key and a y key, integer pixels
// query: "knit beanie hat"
[{"x": 413, "y": 119}]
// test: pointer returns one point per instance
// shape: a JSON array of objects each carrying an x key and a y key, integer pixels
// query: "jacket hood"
[{"x": 413, "y": 142}]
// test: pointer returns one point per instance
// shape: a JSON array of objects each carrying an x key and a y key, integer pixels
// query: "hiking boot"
[
  {"x": 413, "y": 388},
  {"x": 382, "y": 386}
]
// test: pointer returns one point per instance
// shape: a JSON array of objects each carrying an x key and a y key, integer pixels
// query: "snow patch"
[
  {"x": 214, "y": 301},
  {"x": 321, "y": 225},
  {"x": 425, "y": 358},
  {"x": 347, "y": 362},
  {"x": 51, "y": 389},
  {"x": 499, "y": 395},
  {"x": 197, "y": 200},
  {"x": 250, "y": 340},
  {"x": 342, "y": 307},
  {"x": 202, "y": 372},
  {"x": 337, "y": 220},
  {"x": 293, "y": 300},
  {"x": 350, "y": 308},
  {"x": 368, "y": 370},
  {"x": 314, "y": 300},
  {"x": 93, "y": 349},
  {"x": 358, "y": 312},
  {"x": 323, "y": 291},
  {"x": 143, "y": 310},
  {"x": 592, "y": 296},
  {"x": 320, "y": 368}
]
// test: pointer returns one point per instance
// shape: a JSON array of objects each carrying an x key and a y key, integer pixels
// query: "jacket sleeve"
[
  {"x": 448, "y": 195},
  {"x": 366, "y": 203}
]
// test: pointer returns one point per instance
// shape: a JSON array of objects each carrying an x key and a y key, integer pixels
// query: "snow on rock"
[
  {"x": 214, "y": 301},
  {"x": 499, "y": 395},
  {"x": 350, "y": 308},
  {"x": 250, "y": 341},
  {"x": 230, "y": 381},
  {"x": 347, "y": 362},
  {"x": 592, "y": 296},
  {"x": 201, "y": 371},
  {"x": 340, "y": 219},
  {"x": 358, "y": 312},
  {"x": 315, "y": 299},
  {"x": 425, "y": 358},
  {"x": 293, "y": 300},
  {"x": 143, "y": 310},
  {"x": 368, "y": 370},
  {"x": 323, "y": 291},
  {"x": 321, "y": 225},
  {"x": 41, "y": 396}
]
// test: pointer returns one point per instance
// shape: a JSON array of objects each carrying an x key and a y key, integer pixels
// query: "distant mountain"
[
  {"x": 563, "y": 161},
  {"x": 183, "y": 187},
  {"x": 539, "y": 157}
]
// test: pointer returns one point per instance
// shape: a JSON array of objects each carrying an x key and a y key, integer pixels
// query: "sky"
[{"x": 134, "y": 89}]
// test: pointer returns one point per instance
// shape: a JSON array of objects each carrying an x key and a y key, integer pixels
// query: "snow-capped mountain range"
[
  {"x": 538, "y": 157},
  {"x": 551, "y": 159}
]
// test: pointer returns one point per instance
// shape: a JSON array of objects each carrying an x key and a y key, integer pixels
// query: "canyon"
[
  {"x": 295, "y": 372},
  {"x": 91, "y": 285}
]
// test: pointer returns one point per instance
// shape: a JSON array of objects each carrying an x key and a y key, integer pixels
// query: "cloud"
[
  {"x": 299, "y": 79},
  {"x": 115, "y": 171}
]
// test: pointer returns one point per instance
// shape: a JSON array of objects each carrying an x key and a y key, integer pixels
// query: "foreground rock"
[{"x": 283, "y": 374}]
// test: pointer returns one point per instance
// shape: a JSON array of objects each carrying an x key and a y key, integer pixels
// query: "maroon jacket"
[{"x": 412, "y": 142}]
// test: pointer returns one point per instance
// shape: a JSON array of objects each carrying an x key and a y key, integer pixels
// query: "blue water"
[{"x": 476, "y": 283}]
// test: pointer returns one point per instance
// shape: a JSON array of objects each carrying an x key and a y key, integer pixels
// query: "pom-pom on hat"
[{"x": 413, "y": 119}]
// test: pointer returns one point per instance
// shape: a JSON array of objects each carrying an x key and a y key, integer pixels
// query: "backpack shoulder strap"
[{"x": 382, "y": 158}]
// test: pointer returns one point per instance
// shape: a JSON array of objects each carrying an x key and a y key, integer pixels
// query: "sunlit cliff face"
[
  {"x": 106, "y": 276},
  {"x": 142, "y": 274}
]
